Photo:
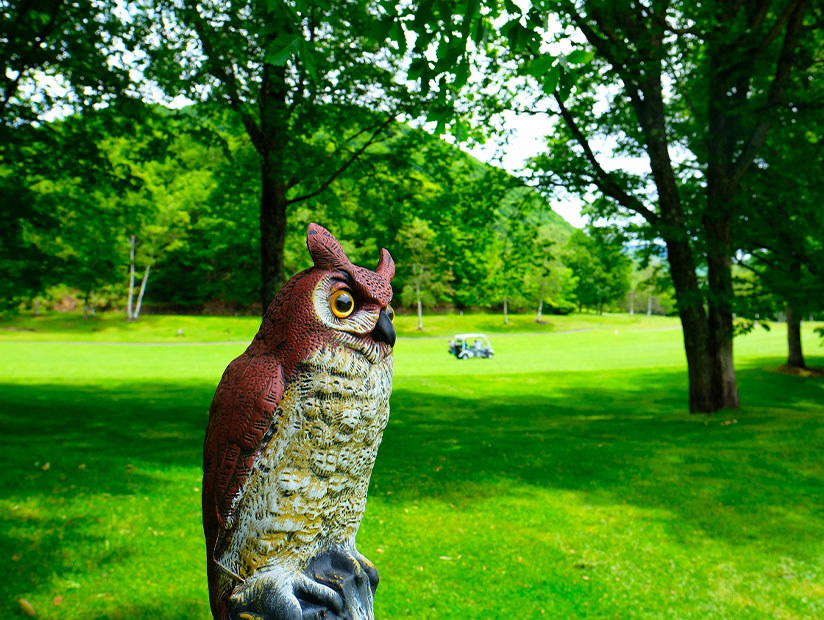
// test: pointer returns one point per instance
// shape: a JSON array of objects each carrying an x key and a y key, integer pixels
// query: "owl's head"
[{"x": 334, "y": 303}]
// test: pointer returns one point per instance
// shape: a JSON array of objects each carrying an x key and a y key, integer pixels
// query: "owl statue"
[{"x": 293, "y": 431}]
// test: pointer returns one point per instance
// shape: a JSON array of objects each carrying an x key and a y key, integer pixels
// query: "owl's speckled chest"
[{"x": 308, "y": 488}]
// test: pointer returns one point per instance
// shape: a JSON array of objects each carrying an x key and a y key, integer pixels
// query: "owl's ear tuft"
[
  {"x": 386, "y": 266},
  {"x": 325, "y": 250}
]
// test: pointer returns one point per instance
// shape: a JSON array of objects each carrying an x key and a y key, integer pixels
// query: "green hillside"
[{"x": 185, "y": 184}]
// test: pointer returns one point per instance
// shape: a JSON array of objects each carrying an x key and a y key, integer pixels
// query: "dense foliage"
[
  {"x": 182, "y": 185},
  {"x": 690, "y": 130},
  {"x": 688, "y": 97}
]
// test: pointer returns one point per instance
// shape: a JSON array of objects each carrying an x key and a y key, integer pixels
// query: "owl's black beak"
[{"x": 384, "y": 331}]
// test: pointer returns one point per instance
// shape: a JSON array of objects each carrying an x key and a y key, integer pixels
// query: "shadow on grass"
[
  {"x": 755, "y": 472},
  {"x": 567, "y": 430},
  {"x": 89, "y": 472},
  {"x": 621, "y": 437},
  {"x": 99, "y": 437}
]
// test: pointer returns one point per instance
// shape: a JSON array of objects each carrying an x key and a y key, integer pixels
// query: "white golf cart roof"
[{"x": 468, "y": 336}]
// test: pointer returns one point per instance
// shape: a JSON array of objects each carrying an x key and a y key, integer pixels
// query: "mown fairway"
[{"x": 561, "y": 479}]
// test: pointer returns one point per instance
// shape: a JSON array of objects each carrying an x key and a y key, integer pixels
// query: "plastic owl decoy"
[{"x": 293, "y": 432}]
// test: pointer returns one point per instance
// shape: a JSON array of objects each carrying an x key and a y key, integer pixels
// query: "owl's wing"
[{"x": 241, "y": 413}]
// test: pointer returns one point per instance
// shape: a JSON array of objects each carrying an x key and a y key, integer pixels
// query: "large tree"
[
  {"x": 692, "y": 90},
  {"x": 289, "y": 70},
  {"x": 59, "y": 216},
  {"x": 426, "y": 274}
]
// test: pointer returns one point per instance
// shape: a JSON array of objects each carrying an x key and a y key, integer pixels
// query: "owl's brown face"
[{"x": 335, "y": 303}]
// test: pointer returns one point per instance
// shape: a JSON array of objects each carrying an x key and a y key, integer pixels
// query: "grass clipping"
[{"x": 810, "y": 373}]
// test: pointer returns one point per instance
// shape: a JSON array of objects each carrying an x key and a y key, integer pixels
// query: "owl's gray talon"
[
  {"x": 262, "y": 598},
  {"x": 369, "y": 569},
  {"x": 316, "y": 594},
  {"x": 340, "y": 570}
]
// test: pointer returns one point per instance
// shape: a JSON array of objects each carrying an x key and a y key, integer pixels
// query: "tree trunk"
[
  {"x": 86, "y": 306},
  {"x": 506, "y": 311},
  {"x": 796, "y": 355},
  {"x": 37, "y": 306},
  {"x": 273, "y": 202},
  {"x": 142, "y": 290},
  {"x": 631, "y": 301},
  {"x": 694, "y": 325},
  {"x": 673, "y": 223},
  {"x": 420, "y": 305},
  {"x": 132, "y": 242},
  {"x": 272, "y": 227},
  {"x": 731, "y": 145},
  {"x": 725, "y": 388},
  {"x": 679, "y": 252},
  {"x": 540, "y": 310},
  {"x": 718, "y": 227},
  {"x": 649, "y": 302}
]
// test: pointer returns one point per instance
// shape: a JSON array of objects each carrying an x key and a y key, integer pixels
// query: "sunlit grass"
[{"x": 562, "y": 478}]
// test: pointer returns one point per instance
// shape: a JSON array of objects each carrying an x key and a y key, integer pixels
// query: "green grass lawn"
[
  {"x": 112, "y": 327},
  {"x": 561, "y": 479}
]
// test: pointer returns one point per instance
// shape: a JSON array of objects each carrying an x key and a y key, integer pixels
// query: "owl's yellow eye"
[
  {"x": 390, "y": 312},
  {"x": 342, "y": 303}
]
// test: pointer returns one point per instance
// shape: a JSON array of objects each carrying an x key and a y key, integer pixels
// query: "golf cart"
[{"x": 464, "y": 346}]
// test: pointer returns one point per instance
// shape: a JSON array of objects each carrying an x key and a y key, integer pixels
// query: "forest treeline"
[
  {"x": 692, "y": 131},
  {"x": 157, "y": 209}
]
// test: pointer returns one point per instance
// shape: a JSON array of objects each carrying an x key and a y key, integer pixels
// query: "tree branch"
[
  {"x": 607, "y": 50},
  {"x": 603, "y": 47},
  {"x": 775, "y": 96},
  {"x": 777, "y": 27},
  {"x": 748, "y": 53},
  {"x": 296, "y": 180},
  {"x": 602, "y": 179},
  {"x": 353, "y": 157},
  {"x": 228, "y": 78}
]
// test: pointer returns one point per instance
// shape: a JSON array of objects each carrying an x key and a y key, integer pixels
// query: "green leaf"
[
  {"x": 551, "y": 80},
  {"x": 443, "y": 50},
  {"x": 460, "y": 131},
  {"x": 540, "y": 66},
  {"x": 472, "y": 10},
  {"x": 381, "y": 30},
  {"x": 397, "y": 35},
  {"x": 580, "y": 57},
  {"x": 565, "y": 90},
  {"x": 480, "y": 31},
  {"x": 308, "y": 59},
  {"x": 438, "y": 114},
  {"x": 283, "y": 48},
  {"x": 417, "y": 68},
  {"x": 461, "y": 75},
  {"x": 448, "y": 55},
  {"x": 512, "y": 8}
]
